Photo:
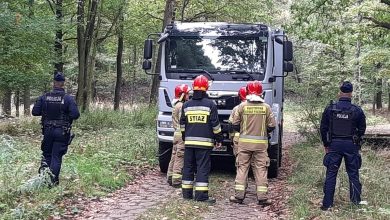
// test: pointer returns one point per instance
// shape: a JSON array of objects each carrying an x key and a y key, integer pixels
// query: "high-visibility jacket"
[
  {"x": 233, "y": 134},
  {"x": 199, "y": 123},
  {"x": 176, "y": 113},
  {"x": 255, "y": 120}
]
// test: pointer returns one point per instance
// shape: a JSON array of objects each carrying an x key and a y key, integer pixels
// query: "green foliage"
[
  {"x": 308, "y": 177},
  {"x": 100, "y": 160}
]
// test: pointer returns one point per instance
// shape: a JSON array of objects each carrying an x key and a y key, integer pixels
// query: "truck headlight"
[{"x": 165, "y": 124}]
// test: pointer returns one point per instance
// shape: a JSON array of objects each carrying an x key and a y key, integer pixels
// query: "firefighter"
[
  {"x": 200, "y": 129},
  {"x": 343, "y": 125},
  {"x": 177, "y": 158},
  {"x": 254, "y": 120},
  {"x": 234, "y": 135},
  {"x": 58, "y": 110}
]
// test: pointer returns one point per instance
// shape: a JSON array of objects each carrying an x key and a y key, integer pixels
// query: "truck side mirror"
[
  {"x": 288, "y": 67},
  {"x": 147, "y": 65},
  {"x": 148, "y": 49},
  {"x": 287, "y": 51}
]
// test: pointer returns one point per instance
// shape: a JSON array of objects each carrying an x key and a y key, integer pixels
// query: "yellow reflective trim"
[
  {"x": 253, "y": 141},
  {"x": 237, "y": 134},
  {"x": 262, "y": 189},
  {"x": 199, "y": 143},
  {"x": 184, "y": 186},
  {"x": 198, "y": 112},
  {"x": 176, "y": 176},
  {"x": 182, "y": 129},
  {"x": 177, "y": 133},
  {"x": 240, "y": 187},
  {"x": 201, "y": 188},
  {"x": 217, "y": 131}
]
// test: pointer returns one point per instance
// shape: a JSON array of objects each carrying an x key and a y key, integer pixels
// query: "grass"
[
  {"x": 309, "y": 174},
  {"x": 107, "y": 145}
]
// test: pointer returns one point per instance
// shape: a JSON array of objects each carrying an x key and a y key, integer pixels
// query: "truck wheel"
[
  {"x": 164, "y": 155},
  {"x": 273, "y": 152}
]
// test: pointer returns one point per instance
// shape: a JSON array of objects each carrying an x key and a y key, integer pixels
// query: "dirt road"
[{"x": 151, "y": 191}]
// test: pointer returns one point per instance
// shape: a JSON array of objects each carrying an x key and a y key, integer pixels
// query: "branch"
[
  {"x": 377, "y": 22},
  {"x": 204, "y": 13},
  {"x": 51, "y": 6},
  {"x": 107, "y": 35},
  {"x": 72, "y": 38},
  {"x": 155, "y": 17},
  {"x": 387, "y": 2}
]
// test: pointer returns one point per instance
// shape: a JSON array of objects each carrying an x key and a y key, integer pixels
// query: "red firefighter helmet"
[
  {"x": 242, "y": 93},
  {"x": 254, "y": 88},
  {"x": 180, "y": 89},
  {"x": 201, "y": 83}
]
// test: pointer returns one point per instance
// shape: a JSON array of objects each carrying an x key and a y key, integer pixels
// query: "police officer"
[
  {"x": 254, "y": 120},
  {"x": 342, "y": 126},
  {"x": 177, "y": 158},
  {"x": 235, "y": 135},
  {"x": 200, "y": 128},
  {"x": 58, "y": 110}
]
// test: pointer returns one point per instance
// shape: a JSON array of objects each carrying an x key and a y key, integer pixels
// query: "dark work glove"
[
  {"x": 183, "y": 137},
  {"x": 270, "y": 129}
]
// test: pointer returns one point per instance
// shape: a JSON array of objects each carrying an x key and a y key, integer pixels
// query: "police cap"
[
  {"x": 346, "y": 87},
  {"x": 59, "y": 77}
]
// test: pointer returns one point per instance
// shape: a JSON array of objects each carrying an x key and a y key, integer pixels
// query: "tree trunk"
[
  {"x": 378, "y": 97},
  {"x": 17, "y": 102},
  {"x": 134, "y": 62},
  {"x": 119, "y": 55},
  {"x": 169, "y": 16},
  {"x": 358, "y": 72},
  {"x": 81, "y": 51},
  {"x": 26, "y": 100},
  {"x": 59, "y": 65},
  {"x": 7, "y": 101}
]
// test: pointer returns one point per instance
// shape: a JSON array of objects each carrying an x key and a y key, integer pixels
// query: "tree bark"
[
  {"x": 80, "y": 50},
  {"x": 169, "y": 16},
  {"x": 7, "y": 101},
  {"x": 119, "y": 55},
  {"x": 59, "y": 64},
  {"x": 378, "y": 96},
  {"x": 26, "y": 100},
  {"x": 17, "y": 102},
  {"x": 358, "y": 72}
]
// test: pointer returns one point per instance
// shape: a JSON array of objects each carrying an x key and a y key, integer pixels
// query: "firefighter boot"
[
  {"x": 233, "y": 199},
  {"x": 264, "y": 202},
  {"x": 169, "y": 180}
]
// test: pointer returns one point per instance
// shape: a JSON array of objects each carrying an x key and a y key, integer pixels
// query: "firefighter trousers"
[
  {"x": 177, "y": 159},
  {"x": 257, "y": 157},
  {"x": 196, "y": 160}
]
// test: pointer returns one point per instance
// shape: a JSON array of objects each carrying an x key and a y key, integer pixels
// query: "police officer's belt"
[{"x": 57, "y": 123}]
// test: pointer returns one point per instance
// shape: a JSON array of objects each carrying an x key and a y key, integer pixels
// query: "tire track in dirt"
[
  {"x": 131, "y": 201},
  {"x": 151, "y": 190}
]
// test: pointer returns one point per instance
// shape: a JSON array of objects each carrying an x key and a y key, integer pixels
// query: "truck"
[{"x": 230, "y": 55}]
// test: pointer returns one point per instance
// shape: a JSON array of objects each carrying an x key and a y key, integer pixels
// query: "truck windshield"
[{"x": 236, "y": 55}]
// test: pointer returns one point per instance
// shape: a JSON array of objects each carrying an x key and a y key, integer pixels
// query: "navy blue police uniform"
[
  {"x": 342, "y": 126},
  {"x": 58, "y": 110},
  {"x": 200, "y": 129}
]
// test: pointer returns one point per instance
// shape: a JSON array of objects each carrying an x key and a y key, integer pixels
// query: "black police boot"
[
  {"x": 210, "y": 200},
  {"x": 323, "y": 208},
  {"x": 233, "y": 199},
  {"x": 264, "y": 202}
]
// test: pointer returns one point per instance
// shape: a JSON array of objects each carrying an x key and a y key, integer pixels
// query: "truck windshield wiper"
[
  {"x": 192, "y": 71},
  {"x": 241, "y": 72}
]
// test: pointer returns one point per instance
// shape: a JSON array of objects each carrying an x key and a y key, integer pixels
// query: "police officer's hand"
[{"x": 326, "y": 149}]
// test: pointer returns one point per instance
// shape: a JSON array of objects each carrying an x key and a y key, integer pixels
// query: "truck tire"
[
  {"x": 280, "y": 144},
  {"x": 164, "y": 155},
  {"x": 273, "y": 169}
]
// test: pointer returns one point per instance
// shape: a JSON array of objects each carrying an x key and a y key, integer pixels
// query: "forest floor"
[{"x": 110, "y": 173}]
